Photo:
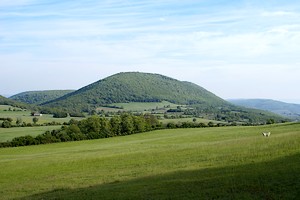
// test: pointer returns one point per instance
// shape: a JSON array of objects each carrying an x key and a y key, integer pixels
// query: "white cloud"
[
  {"x": 215, "y": 46},
  {"x": 278, "y": 14}
]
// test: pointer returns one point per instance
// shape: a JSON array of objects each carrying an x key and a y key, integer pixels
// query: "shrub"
[{"x": 6, "y": 124}]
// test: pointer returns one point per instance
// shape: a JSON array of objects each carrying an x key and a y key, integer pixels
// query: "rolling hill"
[
  {"x": 285, "y": 109},
  {"x": 145, "y": 87},
  {"x": 11, "y": 102},
  {"x": 39, "y": 97},
  {"x": 136, "y": 87}
]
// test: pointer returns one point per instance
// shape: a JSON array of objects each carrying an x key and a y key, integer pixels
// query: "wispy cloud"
[
  {"x": 278, "y": 14},
  {"x": 191, "y": 40}
]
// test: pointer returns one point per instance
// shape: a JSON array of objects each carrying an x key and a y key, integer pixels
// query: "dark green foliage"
[
  {"x": 6, "y": 119},
  {"x": 60, "y": 114},
  {"x": 145, "y": 87},
  {"x": 19, "y": 121},
  {"x": 6, "y": 101},
  {"x": 94, "y": 127},
  {"x": 35, "y": 120},
  {"x": 135, "y": 87},
  {"x": 76, "y": 114},
  {"x": 6, "y": 124},
  {"x": 38, "y": 97}
]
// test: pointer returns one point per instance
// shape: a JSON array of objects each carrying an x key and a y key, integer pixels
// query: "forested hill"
[
  {"x": 136, "y": 87},
  {"x": 10, "y": 102},
  {"x": 285, "y": 109},
  {"x": 39, "y": 97}
]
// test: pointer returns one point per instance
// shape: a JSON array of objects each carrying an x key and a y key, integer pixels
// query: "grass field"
[
  {"x": 25, "y": 115},
  {"x": 141, "y": 106},
  {"x": 207, "y": 163},
  {"x": 190, "y": 119},
  {"x": 10, "y": 133}
]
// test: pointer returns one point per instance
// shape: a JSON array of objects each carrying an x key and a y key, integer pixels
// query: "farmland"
[
  {"x": 10, "y": 133},
  {"x": 25, "y": 115},
  {"x": 205, "y": 163}
]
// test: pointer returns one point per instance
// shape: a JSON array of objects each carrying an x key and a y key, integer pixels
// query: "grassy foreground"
[{"x": 208, "y": 163}]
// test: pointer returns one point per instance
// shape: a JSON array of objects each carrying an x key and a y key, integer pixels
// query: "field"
[
  {"x": 10, "y": 133},
  {"x": 207, "y": 163},
  {"x": 190, "y": 119},
  {"x": 25, "y": 115},
  {"x": 141, "y": 106}
]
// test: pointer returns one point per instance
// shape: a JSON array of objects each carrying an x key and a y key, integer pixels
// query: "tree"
[
  {"x": 194, "y": 120},
  {"x": 139, "y": 124},
  {"x": 126, "y": 124},
  {"x": 115, "y": 123},
  {"x": 6, "y": 124},
  {"x": 35, "y": 120},
  {"x": 270, "y": 121},
  {"x": 19, "y": 121},
  {"x": 210, "y": 124}
]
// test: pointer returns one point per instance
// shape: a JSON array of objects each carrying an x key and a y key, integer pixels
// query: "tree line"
[{"x": 94, "y": 127}]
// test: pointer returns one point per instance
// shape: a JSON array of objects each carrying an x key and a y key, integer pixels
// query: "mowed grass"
[
  {"x": 7, "y": 134},
  {"x": 207, "y": 163}
]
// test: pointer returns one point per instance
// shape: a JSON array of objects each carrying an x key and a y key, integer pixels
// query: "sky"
[{"x": 233, "y": 48}]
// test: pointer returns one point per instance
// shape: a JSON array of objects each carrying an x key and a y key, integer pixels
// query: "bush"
[
  {"x": 76, "y": 114},
  {"x": 6, "y": 124},
  {"x": 60, "y": 115}
]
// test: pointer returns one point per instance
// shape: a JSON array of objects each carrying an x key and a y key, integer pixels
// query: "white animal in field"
[{"x": 266, "y": 134}]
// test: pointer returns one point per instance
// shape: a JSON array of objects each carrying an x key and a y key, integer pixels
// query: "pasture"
[
  {"x": 141, "y": 106},
  {"x": 204, "y": 163},
  {"x": 25, "y": 116},
  {"x": 10, "y": 133}
]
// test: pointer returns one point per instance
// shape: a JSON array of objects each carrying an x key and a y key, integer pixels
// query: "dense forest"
[
  {"x": 10, "y": 102},
  {"x": 135, "y": 87},
  {"x": 39, "y": 97}
]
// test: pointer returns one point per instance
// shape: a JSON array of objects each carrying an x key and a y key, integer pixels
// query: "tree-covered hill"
[
  {"x": 136, "y": 87},
  {"x": 7, "y": 101},
  {"x": 39, "y": 97},
  {"x": 285, "y": 109},
  {"x": 146, "y": 87}
]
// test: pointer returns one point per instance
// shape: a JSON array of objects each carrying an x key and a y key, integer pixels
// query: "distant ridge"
[
  {"x": 284, "y": 109},
  {"x": 39, "y": 97}
]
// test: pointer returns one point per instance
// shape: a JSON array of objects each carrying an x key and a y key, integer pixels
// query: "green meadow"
[
  {"x": 25, "y": 116},
  {"x": 140, "y": 106},
  {"x": 10, "y": 133},
  {"x": 203, "y": 163}
]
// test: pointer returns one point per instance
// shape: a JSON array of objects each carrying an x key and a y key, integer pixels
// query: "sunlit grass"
[{"x": 207, "y": 163}]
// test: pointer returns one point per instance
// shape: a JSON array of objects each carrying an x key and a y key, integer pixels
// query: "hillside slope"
[
  {"x": 145, "y": 87},
  {"x": 39, "y": 97},
  {"x": 136, "y": 87},
  {"x": 10, "y": 102},
  {"x": 285, "y": 109}
]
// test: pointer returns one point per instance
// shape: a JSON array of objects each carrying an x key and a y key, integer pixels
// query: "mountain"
[
  {"x": 145, "y": 87},
  {"x": 136, "y": 87},
  {"x": 39, "y": 97},
  {"x": 285, "y": 109}
]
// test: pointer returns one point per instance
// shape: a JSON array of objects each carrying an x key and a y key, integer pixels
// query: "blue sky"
[{"x": 235, "y": 49}]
